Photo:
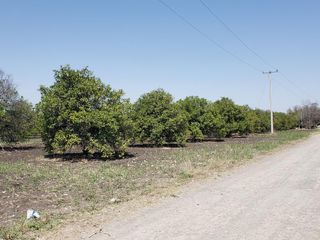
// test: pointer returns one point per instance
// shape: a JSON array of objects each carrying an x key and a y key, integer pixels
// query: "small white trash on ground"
[
  {"x": 32, "y": 214},
  {"x": 114, "y": 200}
]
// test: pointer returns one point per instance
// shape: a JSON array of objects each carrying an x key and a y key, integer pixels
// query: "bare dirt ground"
[
  {"x": 276, "y": 197},
  {"x": 19, "y": 191}
]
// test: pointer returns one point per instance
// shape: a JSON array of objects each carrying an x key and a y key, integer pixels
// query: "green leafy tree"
[
  {"x": 195, "y": 131},
  {"x": 285, "y": 121},
  {"x": 246, "y": 121},
  {"x": 17, "y": 122},
  {"x": 234, "y": 117},
  {"x": 158, "y": 120},
  {"x": 79, "y": 110},
  {"x": 262, "y": 124},
  {"x": 280, "y": 121},
  {"x": 16, "y": 114},
  {"x": 212, "y": 123},
  {"x": 252, "y": 119},
  {"x": 195, "y": 108},
  {"x": 293, "y": 119}
]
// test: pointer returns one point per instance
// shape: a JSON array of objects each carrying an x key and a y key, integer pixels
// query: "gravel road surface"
[{"x": 276, "y": 197}]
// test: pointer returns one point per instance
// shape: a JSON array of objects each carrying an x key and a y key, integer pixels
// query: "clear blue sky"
[{"x": 139, "y": 45}]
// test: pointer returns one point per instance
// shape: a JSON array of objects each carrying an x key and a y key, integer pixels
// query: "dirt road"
[{"x": 277, "y": 197}]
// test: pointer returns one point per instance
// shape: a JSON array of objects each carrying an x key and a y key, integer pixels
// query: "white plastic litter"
[
  {"x": 114, "y": 200},
  {"x": 32, "y": 214}
]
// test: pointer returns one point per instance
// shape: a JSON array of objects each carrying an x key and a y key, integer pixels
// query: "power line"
[
  {"x": 217, "y": 44},
  {"x": 293, "y": 84},
  {"x": 234, "y": 34},
  {"x": 293, "y": 92},
  {"x": 203, "y": 34},
  {"x": 250, "y": 49},
  {"x": 261, "y": 95}
]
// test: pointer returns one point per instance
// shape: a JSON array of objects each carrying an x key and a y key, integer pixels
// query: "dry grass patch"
[{"x": 59, "y": 189}]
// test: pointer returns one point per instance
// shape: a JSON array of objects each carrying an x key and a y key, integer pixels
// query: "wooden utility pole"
[{"x": 270, "y": 97}]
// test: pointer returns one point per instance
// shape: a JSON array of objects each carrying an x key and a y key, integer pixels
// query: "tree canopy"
[
  {"x": 195, "y": 109},
  {"x": 158, "y": 120},
  {"x": 79, "y": 110},
  {"x": 16, "y": 114}
]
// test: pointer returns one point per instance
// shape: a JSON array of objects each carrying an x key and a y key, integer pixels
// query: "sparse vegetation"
[{"x": 64, "y": 187}]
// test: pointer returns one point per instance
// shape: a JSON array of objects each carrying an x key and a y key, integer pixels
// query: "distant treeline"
[{"x": 79, "y": 110}]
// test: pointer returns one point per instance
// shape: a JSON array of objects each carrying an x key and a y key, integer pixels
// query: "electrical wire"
[
  {"x": 261, "y": 96},
  {"x": 296, "y": 86},
  {"x": 217, "y": 44},
  {"x": 250, "y": 49},
  {"x": 235, "y": 35},
  {"x": 203, "y": 34},
  {"x": 293, "y": 92}
]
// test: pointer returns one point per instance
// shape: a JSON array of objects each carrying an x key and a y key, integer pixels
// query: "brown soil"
[{"x": 14, "y": 203}]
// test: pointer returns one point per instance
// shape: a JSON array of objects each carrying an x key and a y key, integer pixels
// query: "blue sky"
[{"x": 139, "y": 45}]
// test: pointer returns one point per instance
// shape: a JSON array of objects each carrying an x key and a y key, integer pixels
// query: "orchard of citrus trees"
[{"x": 80, "y": 111}]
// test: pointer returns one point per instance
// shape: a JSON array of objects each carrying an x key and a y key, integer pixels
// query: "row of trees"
[{"x": 79, "y": 110}]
